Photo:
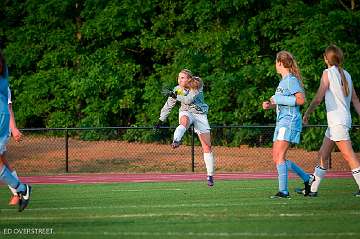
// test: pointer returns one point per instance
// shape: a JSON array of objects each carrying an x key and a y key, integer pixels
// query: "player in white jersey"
[
  {"x": 193, "y": 110},
  {"x": 337, "y": 88}
]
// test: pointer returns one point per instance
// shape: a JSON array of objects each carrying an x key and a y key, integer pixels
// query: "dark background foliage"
[{"x": 77, "y": 63}]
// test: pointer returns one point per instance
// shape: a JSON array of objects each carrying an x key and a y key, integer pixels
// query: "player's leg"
[
  {"x": 308, "y": 179},
  {"x": 280, "y": 148},
  {"x": 323, "y": 157},
  {"x": 294, "y": 137},
  {"x": 282, "y": 137},
  {"x": 209, "y": 159},
  {"x": 185, "y": 120},
  {"x": 347, "y": 152},
  {"x": 14, "y": 200},
  {"x": 23, "y": 190},
  {"x": 202, "y": 128}
]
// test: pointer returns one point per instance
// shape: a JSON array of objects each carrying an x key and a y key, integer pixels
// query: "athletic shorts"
[
  {"x": 338, "y": 133},
  {"x": 4, "y": 131},
  {"x": 200, "y": 121},
  {"x": 285, "y": 134}
]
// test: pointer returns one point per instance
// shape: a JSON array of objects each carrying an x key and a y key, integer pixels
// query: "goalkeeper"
[{"x": 193, "y": 110}]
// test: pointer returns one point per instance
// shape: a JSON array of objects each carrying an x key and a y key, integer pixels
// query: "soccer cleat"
[
  {"x": 14, "y": 200},
  {"x": 357, "y": 194},
  {"x": 210, "y": 181},
  {"x": 302, "y": 191},
  {"x": 312, "y": 194},
  {"x": 175, "y": 144},
  {"x": 307, "y": 184},
  {"x": 281, "y": 195},
  {"x": 24, "y": 198}
]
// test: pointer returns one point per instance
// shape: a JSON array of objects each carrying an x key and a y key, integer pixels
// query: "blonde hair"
[
  {"x": 194, "y": 82},
  {"x": 335, "y": 57},
  {"x": 288, "y": 61}
]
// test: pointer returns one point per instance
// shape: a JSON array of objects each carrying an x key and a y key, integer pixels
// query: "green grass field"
[{"x": 232, "y": 209}]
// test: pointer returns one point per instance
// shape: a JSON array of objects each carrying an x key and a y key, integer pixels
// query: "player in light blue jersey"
[
  {"x": 337, "y": 88},
  {"x": 6, "y": 176},
  {"x": 193, "y": 110},
  {"x": 288, "y": 97}
]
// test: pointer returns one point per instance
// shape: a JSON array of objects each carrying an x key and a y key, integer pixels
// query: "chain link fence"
[{"x": 236, "y": 148}]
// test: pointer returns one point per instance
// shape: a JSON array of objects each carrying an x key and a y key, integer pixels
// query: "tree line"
[{"x": 89, "y": 63}]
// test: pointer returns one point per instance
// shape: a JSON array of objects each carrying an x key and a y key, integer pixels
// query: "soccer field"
[{"x": 231, "y": 209}]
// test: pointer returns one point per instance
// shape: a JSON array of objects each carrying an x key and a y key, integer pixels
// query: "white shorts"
[
  {"x": 338, "y": 133},
  {"x": 200, "y": 121}
]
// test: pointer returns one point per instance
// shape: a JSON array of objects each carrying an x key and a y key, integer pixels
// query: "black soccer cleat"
[
  {"x": 281, "y": 195},
  {"x": 307, "y": 184},
  {"x": 210, "y": 181},
  {"x": 357, "y": 194},
  {"x": 312, "y": 194},
  {"x": 24, "y": 198},
  {"x": 302, "y": 192}
]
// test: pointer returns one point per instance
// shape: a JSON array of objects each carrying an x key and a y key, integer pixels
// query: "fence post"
[
  {"x": 66, "y": 150},
  {"x": 192, "y": 149}
]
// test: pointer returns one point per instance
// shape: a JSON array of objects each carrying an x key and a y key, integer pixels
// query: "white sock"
[
  {"x": 209, "y": 163},
  {"x": 13, "y": 190},
  {"x": 356, "y": 175},
  {"x": 179, "y": 133},
  {"x": 319, "y": 174}
]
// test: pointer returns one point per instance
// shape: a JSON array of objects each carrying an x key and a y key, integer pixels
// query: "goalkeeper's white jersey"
[{"x": 191, "y": 100}]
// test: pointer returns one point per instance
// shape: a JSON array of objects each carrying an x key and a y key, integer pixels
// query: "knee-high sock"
[
  {"x": 282, "y": 177},
  {"x": 209, "y": 163},
  {"x": 9, "y": 179},
  {"x": 356, "y": 175},
  {"x": 319, "y": 174},
  {"x": 179, "y": 133},
  {"x": 13, "y": 190},
  {"x": 299, "y": 171}
]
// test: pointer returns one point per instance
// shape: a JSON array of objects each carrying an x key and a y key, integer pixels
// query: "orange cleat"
[{"x": 14, "y": 200}]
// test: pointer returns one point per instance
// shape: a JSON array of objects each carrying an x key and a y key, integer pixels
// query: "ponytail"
[
  {"x": 287, "y": 59},
  {"x": 344, "y": 82},
  {"x": 294, "y": 69},
  {"x": 195, "y": 83},
  {"x": 335, "y": 56}
]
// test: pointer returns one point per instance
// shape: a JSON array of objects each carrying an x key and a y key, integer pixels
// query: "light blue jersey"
[
  {"x": 4, "y": 85},
  {"x": 289, "y": 116}
]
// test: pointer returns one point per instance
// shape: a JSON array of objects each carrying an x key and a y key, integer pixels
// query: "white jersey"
[{"x": 337, "y": 104}]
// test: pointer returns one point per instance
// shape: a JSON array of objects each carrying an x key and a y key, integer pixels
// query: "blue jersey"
[
  {"x": 4, "y": 84},
  {"x": 289, "y": 116}
]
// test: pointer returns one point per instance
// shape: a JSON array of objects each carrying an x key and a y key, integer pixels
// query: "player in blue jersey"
[
  {"x": 288, "y": 97},
  {"x": 23, "y": 190},
  {"x": 193, "y": 110},
  {"x": 15, "y": 132}
]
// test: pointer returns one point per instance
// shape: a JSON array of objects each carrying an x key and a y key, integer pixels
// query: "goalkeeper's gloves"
[{"x": 169, "y": 93}]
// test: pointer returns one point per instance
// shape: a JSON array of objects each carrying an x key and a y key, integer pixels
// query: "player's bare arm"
[{"x": 320, "y": 94}]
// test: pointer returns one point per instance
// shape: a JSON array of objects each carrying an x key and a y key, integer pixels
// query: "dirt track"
[{"x": 44, "y": 155}]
